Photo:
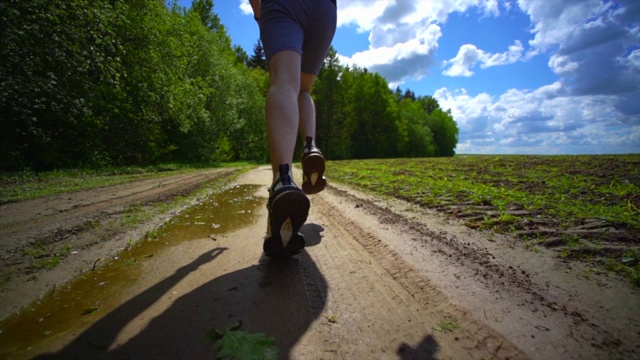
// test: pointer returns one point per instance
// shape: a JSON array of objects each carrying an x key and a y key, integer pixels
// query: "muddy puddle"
[{"x": 93, "y": 294}]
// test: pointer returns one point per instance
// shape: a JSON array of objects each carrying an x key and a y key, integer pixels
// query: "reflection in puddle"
[
  {"x": 93, "y": 294},
  {"x": 229, "y": 210}
]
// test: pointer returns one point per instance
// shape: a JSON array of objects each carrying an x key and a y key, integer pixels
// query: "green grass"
[
  {"x": 28, "y": 185},
  {"x": 447, "y": 325},
  {"x": 513, "y": 194},
  {"x": 568, "y": 187}
]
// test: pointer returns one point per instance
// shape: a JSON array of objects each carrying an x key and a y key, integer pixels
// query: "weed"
[
  {"x": 233, "y": 344},
  {"x": 447, "y": 325},
  {"x": 87, "y": 311},
  {"x": 532, "y": 245},
  {"x": 6, "y": 278},
  {"x": 35, "y": 252},
  {"x": 66, "y": 249},
  {"x": 48, "y": 263}
]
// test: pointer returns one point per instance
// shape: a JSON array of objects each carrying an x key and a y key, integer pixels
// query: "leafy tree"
[
  {"x": 333, "y": 129},
  {"x": 445, "y": 132},
  {"x": 429, "y": 104},
  {"x": 55, "y": 57},
  {"x": 107, "y": 83},
  {"x": 398, "y": 93},
  {"x": 204, "y": 9},
  {"x": 241, "y": 56},
  {"x": 418, "y": 139},
  {"x": 375, "y": 132}
]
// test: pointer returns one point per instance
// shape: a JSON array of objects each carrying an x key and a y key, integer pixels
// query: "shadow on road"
[
  {"x": 278, "y": 298},
  {"x": 426, "y": 350}
]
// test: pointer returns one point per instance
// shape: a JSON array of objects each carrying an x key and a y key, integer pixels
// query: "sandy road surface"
[
  {"x": 380, "y": 279},
  {"x": 86, "y": 221}
]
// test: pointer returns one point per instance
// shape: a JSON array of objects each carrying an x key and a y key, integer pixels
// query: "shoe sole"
[
  {"x": 313, "y": 167},
  {"x": 288, "y": 213}
]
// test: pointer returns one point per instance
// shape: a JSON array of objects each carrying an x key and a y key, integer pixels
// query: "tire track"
[
  {"x": 368, "y": 281},
  {"x": 25, "y": 222},
  {"x": 508, "y": 278}
]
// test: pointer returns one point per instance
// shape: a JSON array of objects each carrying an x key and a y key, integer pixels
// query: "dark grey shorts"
[{"x": 304, "y": 26}]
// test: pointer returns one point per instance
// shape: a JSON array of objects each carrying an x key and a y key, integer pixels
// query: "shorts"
[{"x": 304, "y": 26}]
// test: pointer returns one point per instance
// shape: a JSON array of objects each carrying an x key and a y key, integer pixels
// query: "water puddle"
[{"x": 93, "y": 294}]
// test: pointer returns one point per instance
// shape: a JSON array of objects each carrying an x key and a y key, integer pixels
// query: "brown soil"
[{"x": 379, "y": 279}]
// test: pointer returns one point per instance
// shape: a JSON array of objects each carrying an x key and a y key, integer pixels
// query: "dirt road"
[{"x": 379, "y": 279}]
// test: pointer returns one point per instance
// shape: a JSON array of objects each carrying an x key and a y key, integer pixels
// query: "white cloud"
[
  {"x": 360, "y": 13},
  {"x": 593, "y": 46},
  {"x": 469, "y": 55},
  {"x": 396, "y": 62},
  {"x": 245, "y": 7},
  {"x": 403, "y": 35},
  {"x": 588, "y": 42},
  {"x": 561, "y": 64},
  {"x": 593, "y": 107},
  {"x": 508, "y": 57},
  {"x": 541, "y": 121},
  {"x": 556, "y": 21}
]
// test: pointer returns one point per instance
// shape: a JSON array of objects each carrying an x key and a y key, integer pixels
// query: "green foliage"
[
  {"x": 445, "y": 132},
  {"x": 359, "y": 117},
  {"x": 258, "y": 59},
  {"x": 204, "y": 10},
  {"x": 429, "y": 104},
  {"x": 54, "y": 59},
  {"x": 101, "y": 83},
  {"x": 233, "y": 344},
  {"x": 417, "y": 138},
  {"x": 114, "y": 83},
  {"x": 447, "y": 325}
]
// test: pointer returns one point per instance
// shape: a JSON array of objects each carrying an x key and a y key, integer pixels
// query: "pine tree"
[{"x": 258, "y": 59}]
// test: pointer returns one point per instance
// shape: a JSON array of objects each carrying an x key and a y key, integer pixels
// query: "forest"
[{"x": 98, "y": 83}]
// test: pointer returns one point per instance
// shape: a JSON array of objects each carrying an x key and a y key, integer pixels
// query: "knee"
[
  {"x": 304, "y": 92},
  {"x": 304, "y": 96}
]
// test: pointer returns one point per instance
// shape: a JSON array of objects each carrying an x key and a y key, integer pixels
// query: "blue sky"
[{"x": 520, "y": 77}]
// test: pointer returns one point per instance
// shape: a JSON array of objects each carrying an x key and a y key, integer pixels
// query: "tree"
[
  {"x": 258, "y": 59},
  {"x": 373, "y": 110},
  {"x": 445, "y": 132},
  {"x": 101, "y": 82},
  {"x": 241, "y": 56},
  {"x": 418, "y": 139},
  {"x": 56, "y": 58},
  {"x": 333, "y": 129},
  {"x": 204, "y": 9},
  {"x": 429, "y": 104},
  {"x": 408, "y": 94}
]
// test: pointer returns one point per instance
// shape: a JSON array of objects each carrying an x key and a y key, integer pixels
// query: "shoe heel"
[
  {"x": 313, "y": 167},
  {"x": 288, "y": 213}
]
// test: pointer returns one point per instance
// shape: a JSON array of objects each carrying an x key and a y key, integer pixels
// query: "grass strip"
[{"x": 27, "y": 185}]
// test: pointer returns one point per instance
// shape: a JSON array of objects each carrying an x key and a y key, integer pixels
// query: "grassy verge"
[
  {"x": 28, "y": 185},
  {"x": 586, "y": 207}
]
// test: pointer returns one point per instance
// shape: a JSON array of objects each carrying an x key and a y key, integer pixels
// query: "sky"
[{"x": 520, "y": 76}]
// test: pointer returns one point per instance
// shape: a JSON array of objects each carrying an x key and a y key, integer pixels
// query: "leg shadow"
[
  {"x": 278, "y": 298},
  {"x": 93, "y": 342}
]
